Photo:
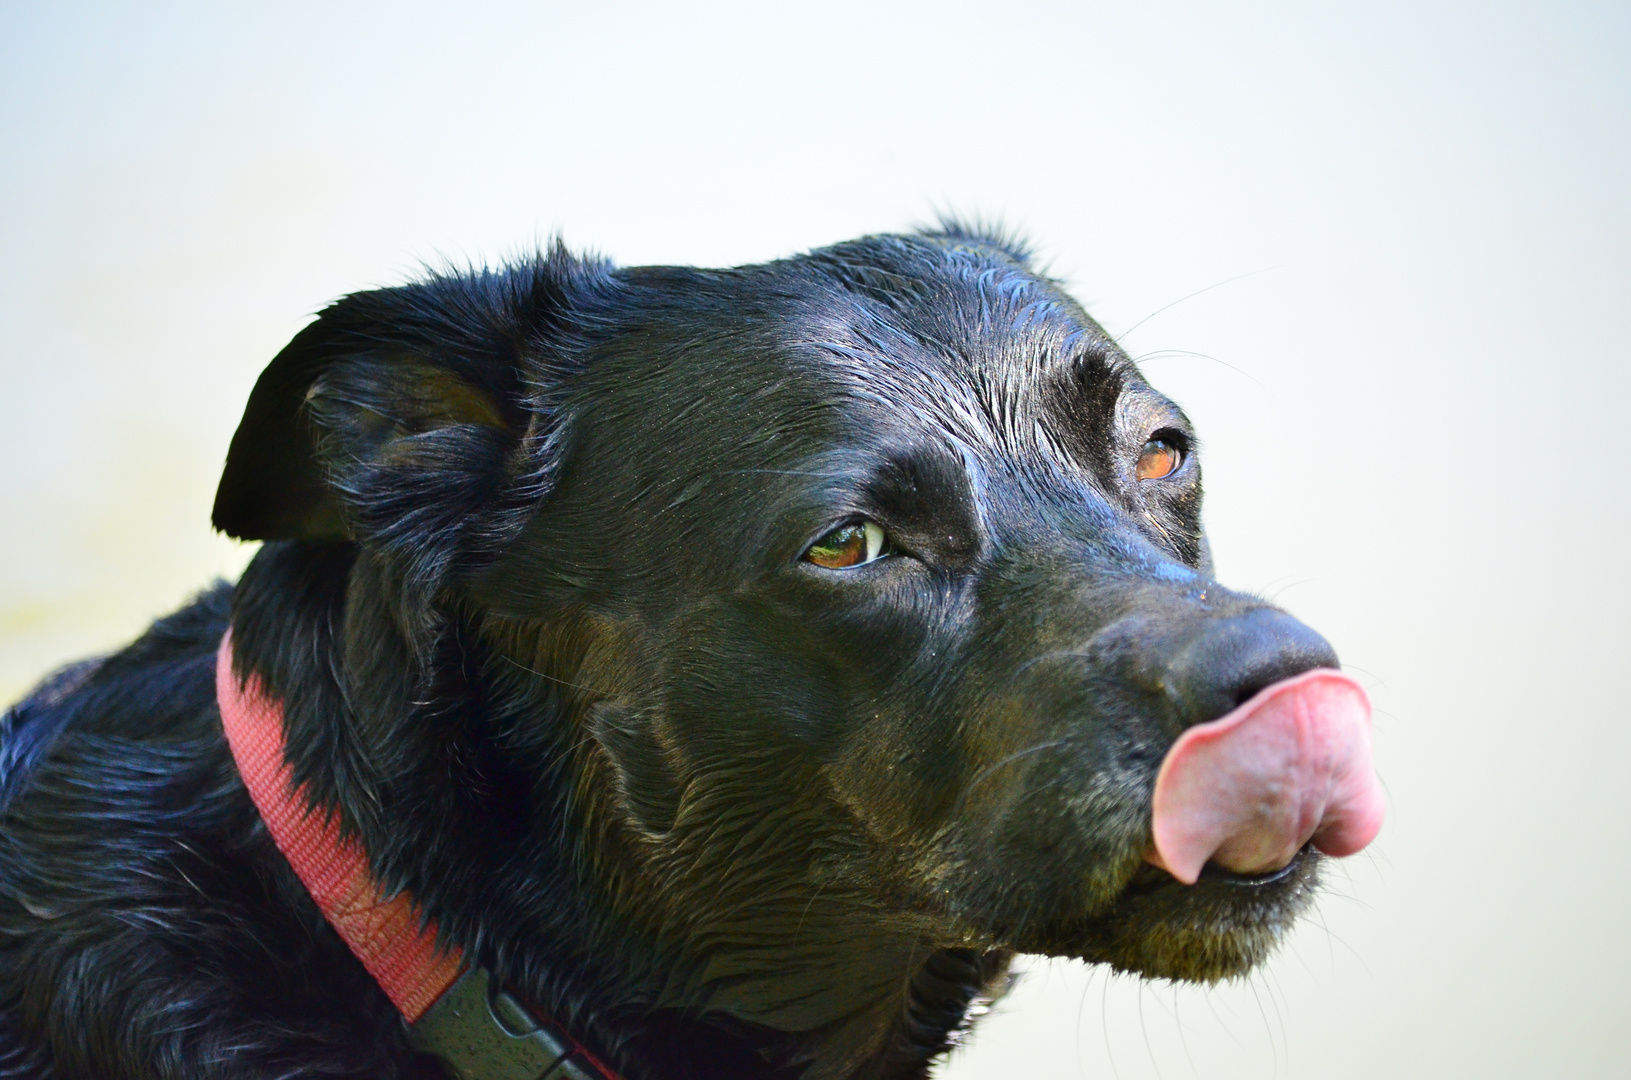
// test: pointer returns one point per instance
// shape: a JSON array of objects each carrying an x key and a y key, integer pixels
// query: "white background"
[{"x": 1414, "y": 405}]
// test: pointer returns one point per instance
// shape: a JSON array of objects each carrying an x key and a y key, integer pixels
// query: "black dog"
[{"x": 738, "y": 666}]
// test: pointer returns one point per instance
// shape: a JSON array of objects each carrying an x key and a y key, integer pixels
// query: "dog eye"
[
  {"x": 1159, "y": 460},
  {"x": 848, "y": 546}
]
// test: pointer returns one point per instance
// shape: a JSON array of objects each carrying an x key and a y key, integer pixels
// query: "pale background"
[{"x": 1414, "y": 407}]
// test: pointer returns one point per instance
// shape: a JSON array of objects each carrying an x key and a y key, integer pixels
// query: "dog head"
[{"x": 840, "y": 610}]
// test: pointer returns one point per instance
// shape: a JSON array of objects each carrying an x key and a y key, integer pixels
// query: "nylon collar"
[{"x": 454, "y": 1010}]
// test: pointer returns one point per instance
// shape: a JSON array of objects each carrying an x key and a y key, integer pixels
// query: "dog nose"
[
  {"x": 1234, "y": 657},
  {"x": 1275, "y": 752}
]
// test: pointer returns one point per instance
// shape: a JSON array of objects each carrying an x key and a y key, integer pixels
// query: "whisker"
[
  {"x": 1104, "y": 1023},
  {"x": 1081, "y": 1066},
  {"x": 1212, "y": 1007},
  {"x": 1333, "y": 936},
  {"x": 1020, "y": 670},
  {"x": 1271, "y": 986},
  {"x": 1149, "y": 1049},
  {"x": 1183, "y": 1037},
  {"x": 985, "y": 773},
  {"x": 1191, "y": 296},
  {"x": 1274, "y": 598},
  {"x": 1268, "y": 1028},
  {"x": 1160, "y": 528},
  {"x": 544, "y": 675},
  {"x": 1159, "y": 354},
  {"x": 1365, "y": 671},
  {"x": 781, "y": 472}
]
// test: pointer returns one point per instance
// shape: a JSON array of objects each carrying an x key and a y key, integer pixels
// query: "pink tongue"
[{"x": 1249, "y": 789}]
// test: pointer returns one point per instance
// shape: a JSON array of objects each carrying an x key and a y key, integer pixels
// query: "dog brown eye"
[
  {"x": 1159, "y": 460},
  {"x": 847, "y": 546}
]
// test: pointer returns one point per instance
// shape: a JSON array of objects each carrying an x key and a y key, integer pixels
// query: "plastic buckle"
[{"x": 482, "y": 1032}]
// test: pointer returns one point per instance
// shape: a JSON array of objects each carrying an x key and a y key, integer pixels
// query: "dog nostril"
[{"x": 1260, "y": 681}]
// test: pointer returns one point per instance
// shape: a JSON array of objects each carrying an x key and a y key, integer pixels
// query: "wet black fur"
[{"x": 532, "y": 596}]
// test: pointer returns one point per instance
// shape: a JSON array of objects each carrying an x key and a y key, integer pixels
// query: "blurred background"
[{"x": 1378, "y": 251}]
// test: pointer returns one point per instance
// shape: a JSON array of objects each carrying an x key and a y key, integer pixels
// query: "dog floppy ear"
[{"x": 423, "y": 422}]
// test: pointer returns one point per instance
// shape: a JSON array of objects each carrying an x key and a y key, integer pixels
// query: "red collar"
[{"x": 386, "y": 933}]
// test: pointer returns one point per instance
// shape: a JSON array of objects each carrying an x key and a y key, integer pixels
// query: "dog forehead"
[
  {"x": 892, "y": 337},
  {"x": 965, "y": 309},
  {"x": 957, "y": 334}
]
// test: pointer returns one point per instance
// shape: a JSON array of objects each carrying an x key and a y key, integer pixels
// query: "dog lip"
[
  {"x": 1220, "y": 875},
  {"x": 1213, "y": 872}
]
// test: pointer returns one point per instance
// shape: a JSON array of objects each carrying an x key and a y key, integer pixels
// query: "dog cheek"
[
  {"x": 646, "y": 787},
  {"x": 878, "y": 781},
  {"x": 1063, "y": 839}
]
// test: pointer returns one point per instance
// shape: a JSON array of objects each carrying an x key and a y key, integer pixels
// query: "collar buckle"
[{"x": 481, "y": 1031}]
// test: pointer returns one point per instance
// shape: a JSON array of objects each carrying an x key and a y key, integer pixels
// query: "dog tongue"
[{"x": 1249, "y": 789}]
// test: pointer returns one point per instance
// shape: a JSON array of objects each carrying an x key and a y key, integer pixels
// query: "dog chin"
[{"x": 1218, "y": 928}]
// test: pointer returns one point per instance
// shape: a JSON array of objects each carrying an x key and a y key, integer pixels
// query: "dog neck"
[
  {"x": 421, "y": 773},
  {"x": 482, "y": 1030}
]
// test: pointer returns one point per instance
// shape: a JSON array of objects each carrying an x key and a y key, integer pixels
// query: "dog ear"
[{"x": 424, "y": 422}]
